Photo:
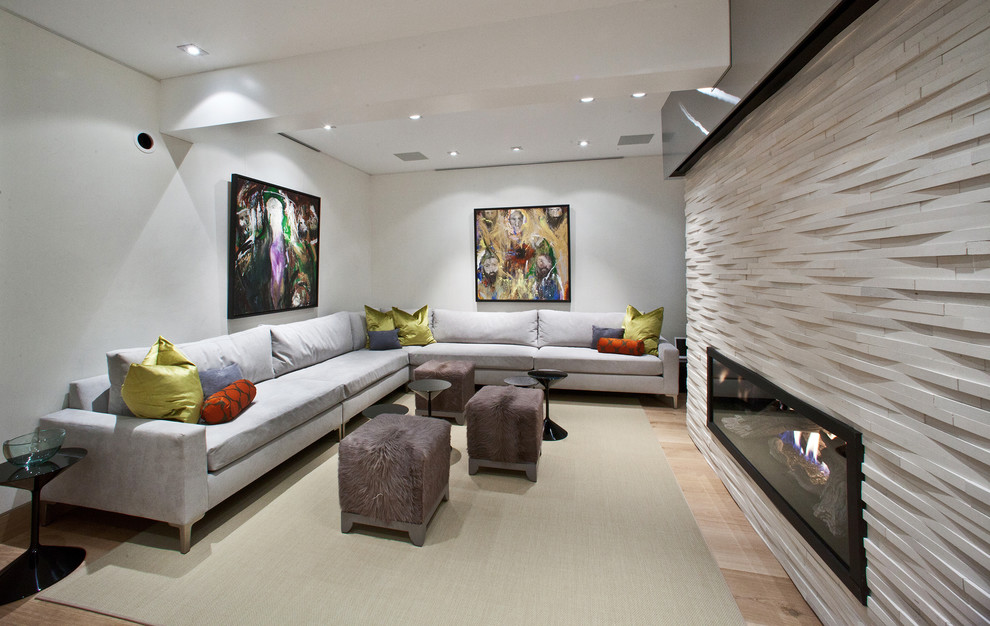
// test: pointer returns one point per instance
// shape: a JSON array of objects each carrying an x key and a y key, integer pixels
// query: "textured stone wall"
[{"x": 838, "y": 241}]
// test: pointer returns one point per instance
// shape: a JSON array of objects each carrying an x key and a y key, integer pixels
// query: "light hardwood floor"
[{"x": 762, "y": 589}]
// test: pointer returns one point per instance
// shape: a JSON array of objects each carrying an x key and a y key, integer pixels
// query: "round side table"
[
  {"x": 551, "y": 430},
  {"x": 429, "y": 387},
  {"x": 40, "y": 566}
]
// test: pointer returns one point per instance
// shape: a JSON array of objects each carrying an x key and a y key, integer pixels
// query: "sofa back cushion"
[
  {"x": 301, "y": 344},
  {"x": 250, "y": 349},
  {"x": 359, "y": 330},
  {"x": 570, "y": 329},
  {"x": 517, "y": 328}
]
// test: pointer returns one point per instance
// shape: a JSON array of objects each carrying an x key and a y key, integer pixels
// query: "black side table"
[
  {"x": 429, "y": 387},
  {"x": 40, "y": 566},
  {"x": 551, "y": 430}
]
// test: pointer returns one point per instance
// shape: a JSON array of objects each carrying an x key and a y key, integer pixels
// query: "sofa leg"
[
  {"x": 185, "y": 534},
  {"x": 673, "y": 399}
]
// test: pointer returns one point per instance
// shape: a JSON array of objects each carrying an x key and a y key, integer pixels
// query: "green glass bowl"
[{"x": 35, "y": 447}]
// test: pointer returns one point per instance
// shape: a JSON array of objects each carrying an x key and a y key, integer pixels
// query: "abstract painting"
[
  {"x": 274, "y": 248},
  {"x": 522, "y": 254}
]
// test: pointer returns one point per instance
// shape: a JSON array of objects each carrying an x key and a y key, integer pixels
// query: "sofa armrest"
[
  {"x": 147, "y": 468},
  {"x": 671, "y": 368},
  {"x": 90, "y": 394}
]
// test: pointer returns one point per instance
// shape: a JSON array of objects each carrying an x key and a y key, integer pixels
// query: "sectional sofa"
[{"x": 311, "y": 378}]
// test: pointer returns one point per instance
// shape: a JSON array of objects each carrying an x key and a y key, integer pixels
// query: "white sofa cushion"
[
  {"x": 280, "y": 406},
  {"x": 250, "y": 349},
  {"x": 354, "y": 370},
  {"x": 517, "y": 328},
  {"x": 484, "y": 356},
  {"x": 301, "y": 344},
  {"x": 566, "y": 328},
  {"x": 588, "y": 361}
]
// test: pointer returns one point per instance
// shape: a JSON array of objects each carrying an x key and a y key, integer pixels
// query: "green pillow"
[
  {"x": 376, "y": 320},
  {"x": 164, "y": 386},
  {"x": 414, "y": 329},
  {"x": 643, "y": 326}
]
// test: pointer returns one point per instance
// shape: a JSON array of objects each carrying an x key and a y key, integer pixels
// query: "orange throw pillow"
[
  {"x": 226, "y": 404},
  {"x": 634, "y": 347}
]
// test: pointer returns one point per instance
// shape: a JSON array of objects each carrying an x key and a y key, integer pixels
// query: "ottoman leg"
[
  {"x": 346, "y": 522},
  {"x": 531, "y": 472},
  {"x": 472, "y": 467}
]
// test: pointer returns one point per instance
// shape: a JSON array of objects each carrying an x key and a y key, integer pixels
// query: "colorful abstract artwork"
[
  {"x": 274, "y": 248},
  {"x": 522, "y": 253}
]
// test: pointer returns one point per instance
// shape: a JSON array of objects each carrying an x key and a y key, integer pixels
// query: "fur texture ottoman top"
[
  {"x": 505, "y": 424},
  {"x": 395, "y": 468},
  {"x": 450, "y": 403}
]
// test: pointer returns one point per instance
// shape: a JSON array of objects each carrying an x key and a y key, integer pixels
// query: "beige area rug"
[{"x": 604, "y": 537}]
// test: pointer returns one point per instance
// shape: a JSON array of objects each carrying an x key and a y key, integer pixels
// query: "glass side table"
[{"x": 40, "y": 566}]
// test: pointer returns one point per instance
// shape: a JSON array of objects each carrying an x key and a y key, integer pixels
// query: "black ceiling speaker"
[{"x": 145, "y": 142}]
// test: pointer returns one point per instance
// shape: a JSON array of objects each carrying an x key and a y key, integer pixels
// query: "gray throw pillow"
[
  {"x": 384, "y": 339},
  {"x": 597, "y": 332},
  {"x": 216, "y": 379}
]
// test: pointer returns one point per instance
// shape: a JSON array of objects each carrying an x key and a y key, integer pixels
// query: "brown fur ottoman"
[
  {"x": 451, "y": 402},
  {"x": 393, "y": 473},
  {"x": 505, "y": 429}
]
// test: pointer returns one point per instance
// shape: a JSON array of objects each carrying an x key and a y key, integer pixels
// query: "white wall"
[
  {"x": 627, "y": 234},
  {"x": 103, "y": 246}
]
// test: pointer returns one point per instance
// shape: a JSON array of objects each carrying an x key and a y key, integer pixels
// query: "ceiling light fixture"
[
  {"x": 517, "y": 148},
  {"x": 639, "y": 94},
  {"x": 587, "y": 99},
  {"x": 415, "y": 116},
  {"x": 328, "y": 127},
  {"x": 583, "y": 143},
  {"x": 453, "y": 153},
  {"x": 192, "y": 50}
]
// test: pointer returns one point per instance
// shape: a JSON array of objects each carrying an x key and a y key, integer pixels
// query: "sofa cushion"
[
  {"x": 355, "y": 370},
  {"x": 216, "y": 379},
  {"x": 566, "y": 328},
  {"x": 597, "y": 332},
  {"x": 588, "y": 361},
  {"x": 250, "y": 349},
  {"x": 484, "y": 356},
  {"x": 414, "y": 328},
  {"x": 519, "y": 328},
  {"x": 618, "y": 345},
  {"x": 227, "y": 403},
  {"x": 301, "y": 344},
  {"x": 164, "y": 385},
  {"x": 384, "y": 339},
  {"x": 279, "y": 406},
  {"x": 359, "y": 331},
  {"x": 645, "y": 326}
]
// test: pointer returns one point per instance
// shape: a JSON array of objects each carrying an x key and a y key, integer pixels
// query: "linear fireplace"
[{"x": 807, "y": 462}]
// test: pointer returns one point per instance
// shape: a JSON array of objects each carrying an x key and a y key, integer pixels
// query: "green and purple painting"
[{"x": 274, "y": 248}]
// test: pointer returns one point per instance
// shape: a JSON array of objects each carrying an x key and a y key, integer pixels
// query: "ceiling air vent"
[
  {"x": 633, "y": 140},
  {"x": 412, "y": 156}
]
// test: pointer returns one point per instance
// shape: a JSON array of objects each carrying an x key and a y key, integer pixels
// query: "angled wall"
[{"x": 838, "y": 242}]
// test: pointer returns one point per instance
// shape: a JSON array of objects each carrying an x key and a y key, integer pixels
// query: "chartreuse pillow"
[
  {"x": 377, "y": 320},
  {"x": 644, "y": 326},
  {"x": 414, "y": 328},
  {"x": 164, "y": 386}
]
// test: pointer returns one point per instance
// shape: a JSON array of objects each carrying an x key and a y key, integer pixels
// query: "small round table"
[
  {"x": 375, "y": 410},
  {"x": 40, "y": 566},
  {"x": 521, "y": 381},
  {"x": 551, "y": 430},
  {"x": 429, "y": 387}
]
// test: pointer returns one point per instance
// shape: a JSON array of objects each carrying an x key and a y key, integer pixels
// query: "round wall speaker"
[{"x": 145, "y": 142}]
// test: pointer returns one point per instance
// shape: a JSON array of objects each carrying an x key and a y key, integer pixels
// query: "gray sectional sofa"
[{"x": 311, "y": 378}]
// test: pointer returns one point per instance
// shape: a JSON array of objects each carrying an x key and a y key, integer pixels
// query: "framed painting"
[
  {"x": 522, "y": 254},
  {"x": 274, "y": 248}
]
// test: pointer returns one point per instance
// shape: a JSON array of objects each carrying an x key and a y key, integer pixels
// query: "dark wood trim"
[{"x": 841, "y": 16}]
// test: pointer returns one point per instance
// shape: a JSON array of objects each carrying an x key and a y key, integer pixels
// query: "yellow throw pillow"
[
  {"x": 414, "y": 329},
  {"x": 377, "y": 320},
  {"x": 643, "y": 326},
  {"x": 164, "y": 386}
]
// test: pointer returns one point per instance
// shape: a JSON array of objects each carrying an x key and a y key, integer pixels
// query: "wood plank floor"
[{"x": 762, "y": 589}]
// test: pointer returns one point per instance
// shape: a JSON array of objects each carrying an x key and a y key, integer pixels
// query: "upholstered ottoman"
[
  {"x": 393, "y": 473},
  {"x": 505, "y": 429},
  {"x": 451, "y": 402}
]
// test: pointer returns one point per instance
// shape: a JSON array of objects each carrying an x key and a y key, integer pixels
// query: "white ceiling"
[{"x": 485, "y": 74}]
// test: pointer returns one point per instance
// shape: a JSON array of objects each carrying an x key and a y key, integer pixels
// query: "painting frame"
[
  {"x": 522, "y": 253},
  {"x": 271, "y": 269}
]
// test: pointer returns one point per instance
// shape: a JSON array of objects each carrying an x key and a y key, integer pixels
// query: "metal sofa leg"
[{"x": 185, "y": 534}]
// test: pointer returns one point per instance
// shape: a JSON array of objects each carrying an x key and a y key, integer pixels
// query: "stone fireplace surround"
[{"x": 837, "y": 238}]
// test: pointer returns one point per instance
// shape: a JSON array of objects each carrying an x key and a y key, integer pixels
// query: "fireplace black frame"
[{"x": 852, "y": 575}]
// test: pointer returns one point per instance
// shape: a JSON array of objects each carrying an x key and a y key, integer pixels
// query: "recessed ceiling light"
[
  {"x": 517, "y": 148},
  {"x": 587, "y": 99},
  {"x": 192, "y": 50},
  {"x": 639, "y": 94},
  {"x": 328, "y": 127},
  {"x": 453, "y": 153},
  {"x": 415, "y": 116},
  {"x": 583, "y": 143}
]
